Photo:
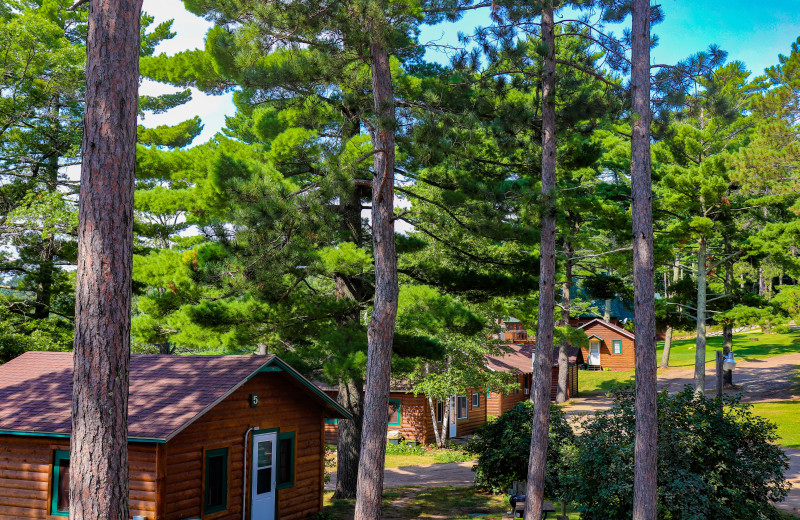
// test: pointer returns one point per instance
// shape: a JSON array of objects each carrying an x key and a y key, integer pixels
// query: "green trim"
[
  {"x": 331, "y": 421},
  {"x": 271, "y": 369},
  {"x": 222, "y": 507},
  {"x": 58, "y": 456},
  {"x": 399, "y": 413},
  {"x": 616, "y": 346},
  {"x": 289, "y": 483},
  {"x": 598, "y": 338},
  {"x": 66, "y": 436},
  {"x": 308, "y": 384},
  {"x": 473, "y": 400}
]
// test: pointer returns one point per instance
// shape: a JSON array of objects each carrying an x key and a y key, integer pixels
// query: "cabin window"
[
  {"x": 439, "y": 411},
  {"x": 476, "y": 400},
  {"x": 285, "y": 460},
  {"x": 59, "y": 505},
  {"x": 216, "y": 481},
  {"x": 616, "y": 346},
  {"x": 461, "y": 408},
  {"x": 394, "y": 412}
]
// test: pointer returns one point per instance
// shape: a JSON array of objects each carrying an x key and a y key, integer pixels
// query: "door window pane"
[
  {"x": 264, "y": 454},
  {"x": 264, "y": 480}
]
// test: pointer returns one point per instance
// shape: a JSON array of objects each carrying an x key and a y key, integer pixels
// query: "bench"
[{"x": 547, "y": 507}]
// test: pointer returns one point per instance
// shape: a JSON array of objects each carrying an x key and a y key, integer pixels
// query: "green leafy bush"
[
  {"x": 715, "y": 460},
  {"x": 503, "y": 449},
  {"x": 445, "y": 456}
]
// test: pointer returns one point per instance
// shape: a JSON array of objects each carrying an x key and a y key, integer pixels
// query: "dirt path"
[{"x": 458, "y": 474}]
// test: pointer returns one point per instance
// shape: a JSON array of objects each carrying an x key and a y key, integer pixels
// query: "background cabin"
[
  {"x": 519, "y": 360},
  {"x": 209, "y": 436},
  {"x": 609, "y": 347}
]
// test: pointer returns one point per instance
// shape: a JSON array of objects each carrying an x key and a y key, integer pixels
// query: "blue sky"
[{"x": 752, "y": 33}]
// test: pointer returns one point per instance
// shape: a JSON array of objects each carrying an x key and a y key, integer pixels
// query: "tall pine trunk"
[
  {"x": 700, "y": 342},
  {"x": 98, "y": 486},
  {"x": 646, "y": 445},
  {"x": 351, "y": 288},
  {"x": 348, "y": 441},
  {"x": 727, "y": 328},
  {"x": 543, "y": 372},
  {"x": 668, "y": 336},
  {"x": 381, "y": 326},
  {"x": 566, "y": 304}
]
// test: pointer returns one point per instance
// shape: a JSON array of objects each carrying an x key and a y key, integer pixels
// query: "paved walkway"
[{"x": 457, "y": 474}]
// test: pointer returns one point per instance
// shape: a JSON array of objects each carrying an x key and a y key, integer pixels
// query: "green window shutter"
[
  {"x": 331, "y": 421},
  {"x": 395, "y": 417},
  {"x": 59, "y": 503},
  {"x": 215, "y": 496},
  {"x": 286, "y": 452},
  {"x": 617, "y": 346}
]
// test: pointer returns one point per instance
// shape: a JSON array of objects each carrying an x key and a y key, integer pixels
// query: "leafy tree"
[
  {"x": 744, "y": 480},
  {"x": 503, "y": 445}
]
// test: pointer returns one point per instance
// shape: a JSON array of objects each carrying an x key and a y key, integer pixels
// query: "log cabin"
[
  {"x": 411, "y": 415},
  {"x": 209, "y": 437},
  {"x": 610, "y": 347},
  {"x": 519, "y": 360}
]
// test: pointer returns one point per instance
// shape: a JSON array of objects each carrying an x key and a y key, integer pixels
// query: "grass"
[
  {"x": 412, "y": 502},
  {"x": 411, "y": 456},
  {"x": 786, "y": 414},
  {"x": 747, "y": 346}
]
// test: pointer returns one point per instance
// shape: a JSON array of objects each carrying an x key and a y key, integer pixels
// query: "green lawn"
[
  {"x": 786, "y": 414},
  {"x": 449, "y": 502},
  {"x": 746, "y": 346}
]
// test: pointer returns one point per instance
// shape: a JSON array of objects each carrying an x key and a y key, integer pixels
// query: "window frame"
[
  {"x": 458, "y": 408},
  {"x": 399, "y": 412},
  {"x": 225, "y": 452},
  {"x": 476, "y": 396},
  {"x": 58, "y": 456},
  {"x": 439, "y": 414},
  {"x": 616, "y": 346},
  {"x": 279, "y": 461}
]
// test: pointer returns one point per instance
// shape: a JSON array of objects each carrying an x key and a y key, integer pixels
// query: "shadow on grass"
[
  {"x": 748, "y": 346},
  {"x": 600, "y": 383}
]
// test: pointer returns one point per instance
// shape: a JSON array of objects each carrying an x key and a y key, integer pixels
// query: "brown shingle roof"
[
  {"x": 520, "y": 356},
  {"x": 167, "y": 393}
]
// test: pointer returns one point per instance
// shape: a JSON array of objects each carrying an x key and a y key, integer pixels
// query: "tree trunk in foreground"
[
  {"x": 543, "y": 372},
  {"x": 566, "y": 304},
  {"x": 381, "y": 326},
  {"x": 98, "y": 483},
  {"x": 348, "y": 442},
  {"x": 646, "y": 444},
  {"x": 700, "y": 342}
]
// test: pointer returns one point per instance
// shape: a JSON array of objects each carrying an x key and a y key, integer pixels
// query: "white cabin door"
[
  {"x": 453, "y": 427},
  {"x": 594, "y": 352},
  {"x": 263, "y": 494}
]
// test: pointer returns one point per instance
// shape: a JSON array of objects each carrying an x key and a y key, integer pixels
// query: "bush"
[
  {"x": 713, "y": 461},
  {"x": 404, "y": 449},
  {"x": 503, "y": 449}
]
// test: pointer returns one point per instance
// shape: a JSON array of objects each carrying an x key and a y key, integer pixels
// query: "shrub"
[
  {"x": 715, "y": 460},
  {"x": 503, "y": 449},
  {"x": 404, "y": 448}
]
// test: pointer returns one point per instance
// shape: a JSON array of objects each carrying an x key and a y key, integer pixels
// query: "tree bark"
[
  {"x": 381, "y": 326},
  {"x": 437, "y": 437},
  {"x": 348, "y": 442},
  {"x": 99, "y": 438},
  {"x": 566, "y": 304},
  {"x": 727, "y": 328},
  {"x": 668, "y": 337},
  {"x": 645, "y": 448},
  {"x": 544, "y": 334},
  {"x": 700, "y": 342}
]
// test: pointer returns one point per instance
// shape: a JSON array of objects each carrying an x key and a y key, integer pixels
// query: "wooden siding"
[
  {"x": 572, "y": 383},
  {"x": 623, "y": 362},
  {"x": 225, "y": 426},
  {"x": 26, "y": 474},
  {"x": 500, "y": 404}
]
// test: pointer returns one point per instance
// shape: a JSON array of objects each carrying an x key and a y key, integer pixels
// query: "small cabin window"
[
  {"x": 476, "y": 400},
  {"x": 59, "y": 506},
  {"x": 461, "y": 408},
  {"x": 285, "y": 460},
  {"x": 394, "y": 412},
  {"x": 616, "y": 346},
  {"x": 215, "y": 497},
  {"x": 439, "y": 411}
]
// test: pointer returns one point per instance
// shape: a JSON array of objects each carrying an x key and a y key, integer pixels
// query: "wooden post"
[{"x": 719, "y": 373}]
